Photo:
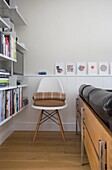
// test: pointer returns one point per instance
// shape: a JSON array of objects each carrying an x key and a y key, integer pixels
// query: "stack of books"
[{"x": 4, "y": 78}]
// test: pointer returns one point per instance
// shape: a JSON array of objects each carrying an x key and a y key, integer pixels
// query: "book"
[
  {"x": 2, "y": 105},
  {"x": 13, "y": 101},
  {"x": 20, "y": 97},
  {"x": 1, "y": 42},
  {"x": 7, "y": 103},
  {"x": 17, "y": 100}
]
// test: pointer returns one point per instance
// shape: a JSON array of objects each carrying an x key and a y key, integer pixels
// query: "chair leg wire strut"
[{"x": 47, "y": 116}]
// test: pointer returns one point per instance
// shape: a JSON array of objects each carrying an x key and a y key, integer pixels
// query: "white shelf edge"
[
  {"x": 23, "y": 85},
  {"x": 6, "y": 57},
  {"x": 4, "y": 4},
  {"x": 17, "y": 14},
  {"x": 16, "y": 9},
  {"x": 12, "y": 87},
  {"x": 13, "y": 14},
  {"x": 65, "y": 75},
  {"x": 5, "y": 120},
  {"x": 3, "y": 24},
  {"x": 7, "y": 88},
  {"x": 11, "y": 117},
  {"x": 20, "y": 47}
]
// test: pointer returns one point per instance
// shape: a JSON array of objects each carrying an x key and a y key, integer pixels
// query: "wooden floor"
[{"x": 48, "y": 152}]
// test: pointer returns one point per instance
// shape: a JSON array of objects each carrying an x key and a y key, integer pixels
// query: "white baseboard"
[
  {"x": 6, "y": 133},
  {"x": 45, "y": 127}
]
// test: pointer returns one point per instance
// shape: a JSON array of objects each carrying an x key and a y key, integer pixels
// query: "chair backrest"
[{"x": 50, "y": 84}]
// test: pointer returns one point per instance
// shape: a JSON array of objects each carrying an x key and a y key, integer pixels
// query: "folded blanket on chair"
[
  {"x": 49, "y": 96},
  {"x": 49, "y": 99}
]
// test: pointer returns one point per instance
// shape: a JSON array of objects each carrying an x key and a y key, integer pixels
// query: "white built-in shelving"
[
  {"x": 3, "y": 24},
  {"x": 11, "y": 88},
  {"x": 21, "y": 47},
  {"x": 12, "y": 116},
  {"x": 6, "y": 57},
  {"x": 12, "y": 13},
  {"x": 3, "y": 4}
]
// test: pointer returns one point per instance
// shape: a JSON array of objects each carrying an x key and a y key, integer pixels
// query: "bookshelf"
[
  {"x": 3, "y": 24},
  {"x": 10, "y": 94},
  {"x": 15, "y": 97},
  {"x": 12, "y": 13}
]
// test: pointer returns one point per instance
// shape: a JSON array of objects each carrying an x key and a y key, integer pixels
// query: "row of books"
[
  {"x": 7, "y": 45},
  {"x": 11, "y": 101}
]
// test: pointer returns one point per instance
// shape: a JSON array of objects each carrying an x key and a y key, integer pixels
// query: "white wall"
[{"x": 65, "y": 30}]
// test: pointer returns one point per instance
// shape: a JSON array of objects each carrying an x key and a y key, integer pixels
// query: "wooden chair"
[{"x": 50, "y": 84}]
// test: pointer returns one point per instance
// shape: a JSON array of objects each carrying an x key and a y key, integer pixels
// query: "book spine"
[
  {"x": 7, "y": 104},
  {"x": 10, "y": 102},
  {"x": 21, "y": 97},
  {"x": 3, "y": 105},
  {"x": 0, "y": 106},
  {"x": 1, "y": 42}
]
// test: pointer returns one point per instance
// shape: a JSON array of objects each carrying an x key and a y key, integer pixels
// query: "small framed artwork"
[
  {"x": 81, "y": 68},
  {"x": 103, "y": 68},
  {"x": 59, "y": 68},
  {"x": 70, "y": 68},
  {"x": 111, "y": 68},
  {"x": 92, "y": 68}
]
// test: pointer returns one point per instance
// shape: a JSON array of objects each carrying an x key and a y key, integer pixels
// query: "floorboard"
[{"x": 49, "y": 152}]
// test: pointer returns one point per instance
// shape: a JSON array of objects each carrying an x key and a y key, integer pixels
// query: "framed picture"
[
  {"x": 59, "y": 68},
  {"x": 111, "y": 68},
  {"x": 81, "y": 68},
  {"x": 92, "y": 68},
  {"x": 70, "y": 68},
  {"x": 103, "y": 68}
]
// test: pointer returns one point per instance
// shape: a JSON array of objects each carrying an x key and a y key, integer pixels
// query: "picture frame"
[
  {"x": 103, "y": 68},
  {"x": 59, "y": 68},
  {"x": 81, "y": 68},
  {"x": 110, "y": 68},
  {"x": 70, "y": 68},
  {"x": 92, "y": 68}
]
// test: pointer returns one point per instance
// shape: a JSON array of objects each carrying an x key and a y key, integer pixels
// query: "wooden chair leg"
[
  {"x": 60, "y": 124},
  {"x": 37, "y": 127}
]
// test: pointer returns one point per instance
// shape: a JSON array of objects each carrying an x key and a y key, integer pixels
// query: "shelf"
[
  {"x": 11, "y": 117},
  {"x": 23, "y": 85},
  {"x": 7, "y": 88},
  {"x": 66, "y": 75},
  {"x": 3, "y": 4},
  {"x": 21, "y": 47},
  {"x": 6, "y": 57},
  {"x": 15, "y": 16},
  {"x": 3, "y": 24},
  {"x": 12, "y": 13},
  {"x": 13, "y": 87}
]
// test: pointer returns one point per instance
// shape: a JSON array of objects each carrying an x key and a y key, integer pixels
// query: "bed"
[{"x": 94, "y": 117}]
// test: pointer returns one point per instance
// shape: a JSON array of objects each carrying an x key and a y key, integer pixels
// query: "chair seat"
[{"x": 49, "y": 108}]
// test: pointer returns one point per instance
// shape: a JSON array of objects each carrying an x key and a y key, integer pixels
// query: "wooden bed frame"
[{"x": 96, "y": 138}]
